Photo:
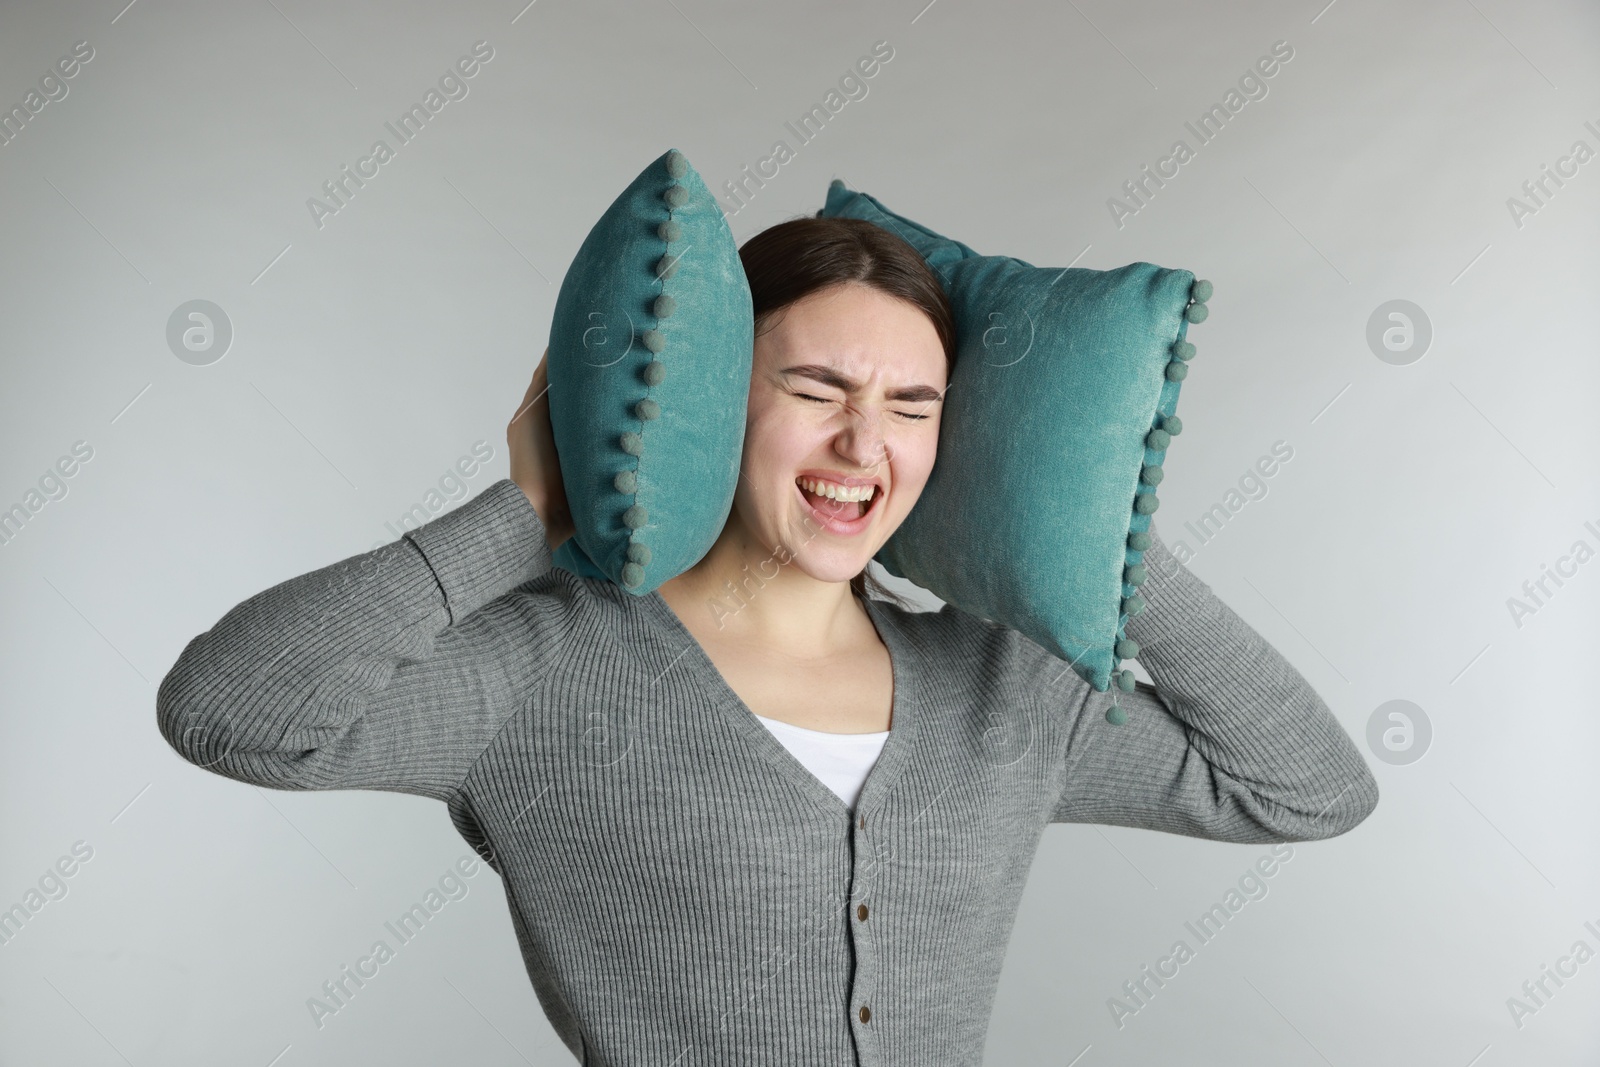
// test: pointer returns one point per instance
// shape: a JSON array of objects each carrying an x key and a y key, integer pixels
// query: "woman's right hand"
[{"x": 535, "y": 467}]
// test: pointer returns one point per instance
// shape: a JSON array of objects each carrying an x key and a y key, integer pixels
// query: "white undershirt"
[{"x": 840, "y": 761}]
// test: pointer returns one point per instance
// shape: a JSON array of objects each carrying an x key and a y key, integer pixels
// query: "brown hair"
[{"x": 789, "y": 261}]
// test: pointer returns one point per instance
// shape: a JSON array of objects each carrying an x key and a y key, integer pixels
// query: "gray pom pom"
[
  {"x": 666, "y": 267},
  {"x": 1176, "y": 371},
  {"x": 1172, "y": 424},
  {"x": 1197, "y": 313},
  {"x": 664, "y": 306},
  {"x": 675, "y": 196},
  {"x": 635, "y": 517},
  {"x": 1152, "y": 475},
  {"x": 653, "y": 339},
  {"x": 631, "y": 443},
  {"x": 654, "y": 372},
  {"x": 1116, "y": 716},
  {"x": 670, "y": 231},
  {"x": 1132, "y": 605},
  {"x": 1127, "y": 648},
  {"x": 1183, "y": 350},
  {"x": 647, "y": 409},
  {"x": 678, "y": 166},
  {"x": 1126, "y": 681},
  {"x": 638, "y": 553},
  {"x": 627, "y": 482},
  {"x": 1158, "y": 439},
  {"x": 1139, "y": 540},
  {"x": 1200, "y": 290},
  {"x": 1134, "y": 575}
]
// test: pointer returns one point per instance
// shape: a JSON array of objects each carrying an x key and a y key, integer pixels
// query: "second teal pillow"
[{"x": 1061, "y": 404}]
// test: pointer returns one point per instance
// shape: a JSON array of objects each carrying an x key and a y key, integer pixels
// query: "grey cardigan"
[{"x": 684, "y": 891}]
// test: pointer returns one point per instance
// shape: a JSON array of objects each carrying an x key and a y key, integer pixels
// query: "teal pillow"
[
  {"x": 1061, "y": 405},
  {"x": 650, "y": 357}
]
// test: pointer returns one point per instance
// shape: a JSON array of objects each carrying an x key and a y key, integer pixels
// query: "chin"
[
  {"x": 831, "y": 562},
  {"x": 834, "y": 570}
]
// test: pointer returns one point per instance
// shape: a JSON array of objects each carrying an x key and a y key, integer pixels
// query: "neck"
[{"x": 748, "y": 593}]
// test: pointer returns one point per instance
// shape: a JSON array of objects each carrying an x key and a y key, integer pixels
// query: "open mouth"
[{"x": 843, "y": 504}]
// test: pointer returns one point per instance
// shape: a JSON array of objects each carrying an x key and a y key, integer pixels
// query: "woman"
[{"x": 670, "y": 785}]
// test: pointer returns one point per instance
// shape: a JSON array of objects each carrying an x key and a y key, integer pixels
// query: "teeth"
[{"x": 838, "y": 492}]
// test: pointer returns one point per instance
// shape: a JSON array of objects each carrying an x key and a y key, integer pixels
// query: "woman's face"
[{"x": 846, "y": 388}]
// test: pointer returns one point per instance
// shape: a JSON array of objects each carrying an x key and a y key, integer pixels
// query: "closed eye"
[{"x": 824, "y": 400}]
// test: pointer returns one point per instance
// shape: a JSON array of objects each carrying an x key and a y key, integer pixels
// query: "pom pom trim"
[
  {"x": 635, "y": 517},
  {"x": 1163, "y": 428}
]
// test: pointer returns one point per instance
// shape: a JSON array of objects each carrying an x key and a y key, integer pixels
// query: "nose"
[{"x": 861, "y": 440}]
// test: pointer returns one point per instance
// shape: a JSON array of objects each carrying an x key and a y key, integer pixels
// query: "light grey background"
[{"x": 371, "y": 353}]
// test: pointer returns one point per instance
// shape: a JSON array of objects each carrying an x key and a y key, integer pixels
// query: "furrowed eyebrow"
[{"x": 830, "y": 377}]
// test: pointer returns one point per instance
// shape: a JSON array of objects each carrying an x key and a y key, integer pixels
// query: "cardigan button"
[
  {"x": 866, "y": 1013},
  {"x": 861, "y": 912},
  {"x": 863, "y": 823}
]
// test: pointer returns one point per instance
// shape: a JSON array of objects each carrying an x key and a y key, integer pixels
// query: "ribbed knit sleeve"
[
  {"x": 376, "y": 672},
  {"x": 1233, "y": 743}
]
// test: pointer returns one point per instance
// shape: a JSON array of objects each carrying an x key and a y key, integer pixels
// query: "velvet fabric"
[{"x": 650, "y": 356}]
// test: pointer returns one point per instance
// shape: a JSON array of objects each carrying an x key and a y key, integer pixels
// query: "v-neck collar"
[{"x": 902, "y": 716}]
